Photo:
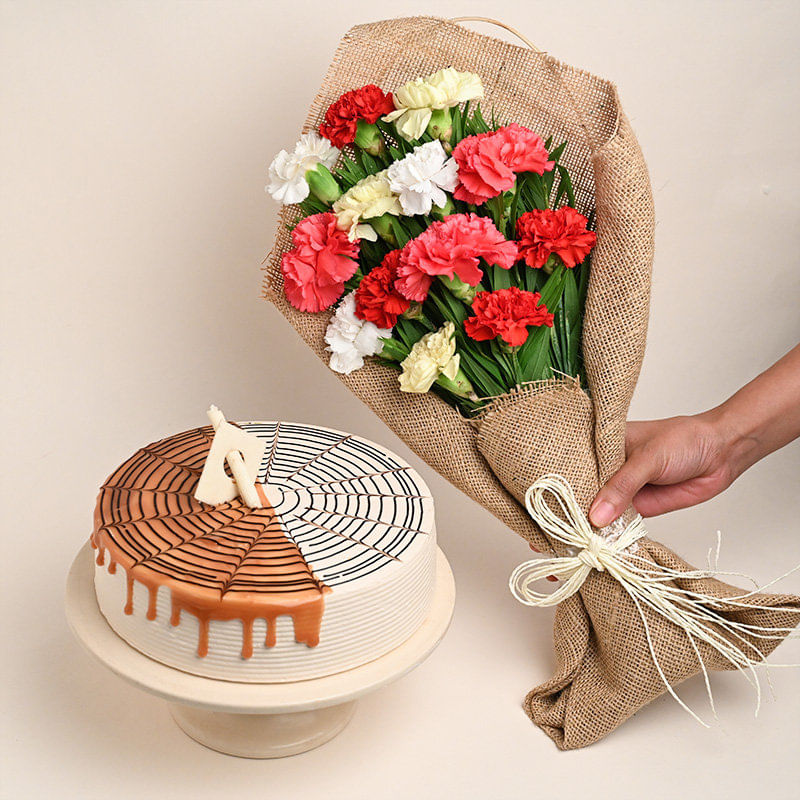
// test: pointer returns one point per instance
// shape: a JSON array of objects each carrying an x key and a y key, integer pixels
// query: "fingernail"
[{"x": 601, "y": 513}]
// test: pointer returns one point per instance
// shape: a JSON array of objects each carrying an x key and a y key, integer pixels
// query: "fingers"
[
  {"x": 619, "y": 491},
  {"x": 650, "y": 500},
  {"x": 537, "y": 550}
]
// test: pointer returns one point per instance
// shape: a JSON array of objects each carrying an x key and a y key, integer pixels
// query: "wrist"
[{"x": 736, "y": 438}]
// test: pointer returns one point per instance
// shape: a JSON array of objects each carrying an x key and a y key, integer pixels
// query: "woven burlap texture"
[{"x": 605, "y": 672}]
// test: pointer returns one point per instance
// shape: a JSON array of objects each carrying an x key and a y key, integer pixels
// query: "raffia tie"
[{"x": 648, "y": 585}]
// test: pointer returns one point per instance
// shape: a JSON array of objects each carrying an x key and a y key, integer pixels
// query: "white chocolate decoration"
[{"x": 243, "y": 452}]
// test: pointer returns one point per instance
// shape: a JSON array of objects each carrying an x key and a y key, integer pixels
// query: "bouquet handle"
[
  {"x": 551, "y": 64},
  {"x": 497, "y": 22}
]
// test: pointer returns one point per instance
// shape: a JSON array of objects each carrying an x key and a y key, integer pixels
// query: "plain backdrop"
[{"x": 135, "y": 141}]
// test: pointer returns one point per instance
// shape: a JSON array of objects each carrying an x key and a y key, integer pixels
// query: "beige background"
[{"x": 135, "y": 139}]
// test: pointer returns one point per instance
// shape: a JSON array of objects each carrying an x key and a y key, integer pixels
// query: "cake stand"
[{"x": 252, "y": 720}]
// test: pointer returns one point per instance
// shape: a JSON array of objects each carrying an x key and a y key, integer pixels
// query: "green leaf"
[
  {"x": 399, "y": 232},
  {"x": 555, "y": 155},
  {"x": 483, "y": 374},
  {"x": 558, "y": 360},
  {"x": 478, "y": 123},
  {"x": 551, "y": 291},
  {"x": 408, "y": 332},
  {"x": 529, "y": 277},
  {"x": 394, "y": 349},
  {"x": 448, "y": 305},
  {"x": 458, "y": 127},
  {"x": 372, "y": 253},
  {"x": 533, "y": 362},
  {"x": 505, "y": 362},
  {"x": 571, "y": 314},
  {"x": 566, "y": 184},
  {"x": 534, "y": 355},
  {"x": 369, "y": 164},
  {"x": 458, "y": 310},
  {"x": 500, "y": 277}
]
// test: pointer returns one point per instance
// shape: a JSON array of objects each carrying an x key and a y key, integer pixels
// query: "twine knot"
[
  {"x": 588, "y": 550},
  {"x": 592, "y": 553},
  {"x": 649, "y": 585}
]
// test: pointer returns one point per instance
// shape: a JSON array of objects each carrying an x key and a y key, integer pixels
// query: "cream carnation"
[
  {"x": 433, "y": 355},
  {"x": 351, "y": 339},
  {"x": 422, "y": 178},
  {"x": 287, "y": 172},
  {"x": 369, "y": 198},
  {"x": 415, "y": 101}
]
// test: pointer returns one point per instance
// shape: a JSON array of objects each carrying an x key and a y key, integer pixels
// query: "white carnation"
[
  {"x": 351, "y": 339},
  {"x": 287, "y": 179},
  {"x": 422, "y": 178},
  {"x": 287, "y": 172},
  {"x": 313, "y": 149}
]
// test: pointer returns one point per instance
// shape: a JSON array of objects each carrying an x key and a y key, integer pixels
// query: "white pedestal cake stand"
[{"x": 253, "y": 720}]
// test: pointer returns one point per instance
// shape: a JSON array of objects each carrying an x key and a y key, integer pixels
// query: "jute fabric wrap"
[{"x": 605, "y": 671}]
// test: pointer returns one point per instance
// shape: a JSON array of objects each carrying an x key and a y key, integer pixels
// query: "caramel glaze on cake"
[{"x": 220, "y": 562}]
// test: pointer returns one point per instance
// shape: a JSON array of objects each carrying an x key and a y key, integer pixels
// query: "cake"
[{"x": 335, "y": 570}]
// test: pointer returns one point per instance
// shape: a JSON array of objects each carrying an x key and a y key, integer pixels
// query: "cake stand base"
[
  {"x": 262, "y": 735},
  {"x": 252, "y": 720}
]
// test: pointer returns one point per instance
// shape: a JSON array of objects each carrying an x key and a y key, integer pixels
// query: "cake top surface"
[{"x": 340, "y": 510}]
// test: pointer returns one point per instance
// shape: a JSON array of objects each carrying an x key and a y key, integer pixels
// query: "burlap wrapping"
[{"x": 605, "y": 672}]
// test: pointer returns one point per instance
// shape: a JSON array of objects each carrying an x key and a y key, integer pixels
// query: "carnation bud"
[
  {"x": 460, "y": 385},
  {"x": 461, "y": 289},
  {"x": 369, "y": 138},
  {"x": 322, "y": 184},
  {"x": 445, "y": 211},
  {"x": 383, "y": 227},
  {"x": 440, "y": 125},
  {"x": 414, "y": 311}
]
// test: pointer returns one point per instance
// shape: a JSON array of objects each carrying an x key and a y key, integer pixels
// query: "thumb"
[{"x": 619, "y": 491}]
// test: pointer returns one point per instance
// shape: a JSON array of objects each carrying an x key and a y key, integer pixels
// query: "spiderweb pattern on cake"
[{"x": 350, "y": 507}]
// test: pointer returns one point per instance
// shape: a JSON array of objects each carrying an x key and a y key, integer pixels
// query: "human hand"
[{"x": 670, "y": 464}]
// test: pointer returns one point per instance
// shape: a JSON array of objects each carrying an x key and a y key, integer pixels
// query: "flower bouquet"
[{"x": 470, "y": 249}]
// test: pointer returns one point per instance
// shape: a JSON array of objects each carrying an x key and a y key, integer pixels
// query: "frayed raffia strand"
[{"x": 648, "y": 585}]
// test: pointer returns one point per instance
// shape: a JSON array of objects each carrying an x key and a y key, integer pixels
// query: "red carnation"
[
  {"x": 506, "y": 313},
  {"x": 563, "y": 232},
  {"x": 377, "y": 300},
  {"x": 369, "y": 103},
  {"x": 315, "y": 269}
]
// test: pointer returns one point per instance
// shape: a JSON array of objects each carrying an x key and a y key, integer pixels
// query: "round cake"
[{"x": 335, "y": 570}]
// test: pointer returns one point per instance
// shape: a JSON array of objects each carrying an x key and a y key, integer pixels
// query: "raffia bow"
[{"x": 648, "y": 585}]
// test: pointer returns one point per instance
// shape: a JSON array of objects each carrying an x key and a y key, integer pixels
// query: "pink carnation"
[
  {"x": 315, "y": 270},
  {"x": 452, "y": 247},
  {"x": 488, "y": 163}
]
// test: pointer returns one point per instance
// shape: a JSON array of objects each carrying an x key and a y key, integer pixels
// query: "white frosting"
[{"x": 363, "y": 520}]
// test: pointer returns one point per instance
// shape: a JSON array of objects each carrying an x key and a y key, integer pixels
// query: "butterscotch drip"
[{"x": 220, "y": 562}]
